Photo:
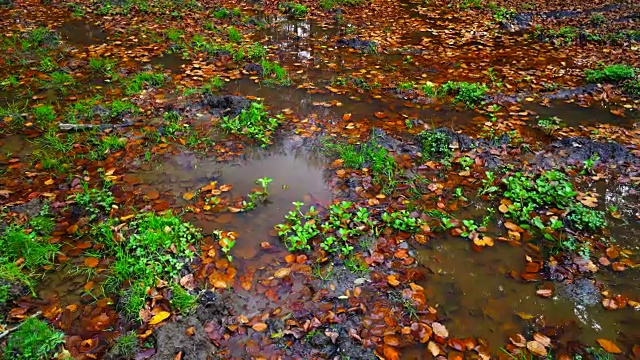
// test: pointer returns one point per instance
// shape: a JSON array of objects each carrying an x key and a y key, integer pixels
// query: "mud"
[
  {"x": 581, "y": 291},
  {"x": 574, "y": 151},
  {"x": 254, "y": 69},
  {"x": 225, "y": 105},
  {"x": 173, "y": 338},
  {"x": 357, "y": 44},
  {"x": 31, "y": 208}
]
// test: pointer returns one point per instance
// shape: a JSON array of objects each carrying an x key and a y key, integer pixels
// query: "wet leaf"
[
  {"x": 259, "y": 327},
  {"x": 281, "y": 273},
  {"x": 392, "y": 280},
  {"x": 440, "y": 329},
  {"x": 612, "y": 253},
  {"x": 536, "y": 348},
  {"x": 188, "y": 196},
  {"x": 91, "y": 262},
  {"x": 159, "y": 317},
  {"x": 518, "y": 340},
  {"x": 392, "y": 340},
  {"x": 433, "y": 348},
  {"x": 609, "y": 346},
  {"x": 49, "y": 182},
  {"x": 542, "y": 339}
]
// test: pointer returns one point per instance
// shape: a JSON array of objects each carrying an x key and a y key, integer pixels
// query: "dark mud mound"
[
  {"x": 225, "y": 105},
  {"x": 357, "y": 44},
  {"x": 254, "y": 68},
  {"x": 576, "y": 150},
  {"x": 581, "y": 291},
  {"x": 336, "y": 342},
  {"x": 186, "y": 336},
  {"x": 392, "y": 144}
]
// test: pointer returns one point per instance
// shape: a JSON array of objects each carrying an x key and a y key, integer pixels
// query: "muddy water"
[
  {"x": 297, "y": 176},
  {"x": 81, "y": 33},
  {"x": 574, "y": 115}
]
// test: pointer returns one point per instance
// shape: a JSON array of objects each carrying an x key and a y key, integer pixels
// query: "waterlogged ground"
[{"x": 323, "y": 180}]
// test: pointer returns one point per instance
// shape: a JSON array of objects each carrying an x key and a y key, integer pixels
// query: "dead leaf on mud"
[
  {"x": 542, "y": 339},
  {"x": 440, "y": 329},
  {"x": 188, "y": 196},
  {"x": 259, "y": 327},
  {"x": 609, "y": 346},
  {"x": 281, "y": 273},
  {"x": 392, "y": 280},
  {"x": 159, "y": 317},
  {"x": 536, "y": 348},
  {"x": 518, "y": 340},
  {"x": 433, "y": 348},
  {"x": 91, "y": 262}
]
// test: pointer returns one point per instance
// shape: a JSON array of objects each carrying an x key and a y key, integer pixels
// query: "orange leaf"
[
  {"x": 393, "y": 281},
  {"x": 91, "y": 262},
  {"x": 609, "y": 346},
  {"x": 188, "y": 196},
  {"x": 259, "y": 327},
  {"x": 159, "y": 317},
  {"x": 71, "y": 229},
  {"x": 346, "y": 117},
  {"x": 49, "y": 182},
  {"x": 536, "y": 348}
]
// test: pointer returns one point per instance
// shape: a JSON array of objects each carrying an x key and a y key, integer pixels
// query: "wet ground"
[{"x": 351, "y": 70}]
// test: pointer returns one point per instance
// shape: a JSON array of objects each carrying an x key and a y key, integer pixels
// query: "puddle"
[
  {"x": 574, "y": 115},
  {"x": 478, "y": 298},
  {"x": 81, "y": 33},
  {"x": 173, "y": 62},
  {"x": 14, "y": 145},
  {"x": 297, "y": 176}
]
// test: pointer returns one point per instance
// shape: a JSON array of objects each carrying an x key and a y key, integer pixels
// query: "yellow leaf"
[
  {"x": 609, "y": 346},
  {"x": 49, "y": 182},
  {"x": 280, "y": 273},
  {"x": 259, "y": 327},
  {"x": 159, "y": 317},
  {"x": 188, "y": 196}
]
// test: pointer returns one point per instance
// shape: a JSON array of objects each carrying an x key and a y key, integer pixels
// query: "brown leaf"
[
  {"x": 259, "y": 327},
  {"x": 73, "y": 228},
  {"x": 91, "y": 262},
  {"x": 440, "y": 329},
  {"x": 536, "y": 348},
  {"x": 609, "y": 346},
  {"x": 392, "y": 340},
  {"x": 190, "y": 331},
  {"x": 542, "y": 339},
  {"x": 518, "y": 340},
  {"x": 282, "y": 272},
  {"x": 392, "y": 280}
]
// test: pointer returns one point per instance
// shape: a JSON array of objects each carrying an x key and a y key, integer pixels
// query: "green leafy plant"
[
  {"x": 402, "y": 221},
  {"x": 97, "y": 201},
  {"x": 468, "y": 93},
  {"x": 551, "y": 124},
  {"x": 34, "y": 340},
  {"x": 234, "y": 35},
  {"x": 143, "y": 80},
  {"x": 503, "y": 14},
  {"x": 293, "y": 9},
  {"x": 611, "y": 73},
  {"x": 125, "y": 345},
  {"x": 435, "y": 145},
  {"x": 300, "y": 228},
  {"x": 254, "y": 123},
  {"x": 181, "y": 300},
  {"x": 44, "y": 115}
]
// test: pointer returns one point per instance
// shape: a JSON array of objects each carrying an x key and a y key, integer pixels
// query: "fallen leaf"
[
  {"x": 281, "y": 273},
  {"x": 433, "y": 348},
  {"x": 159, "y": 317},
  {"x": 440, "y": 329},
  {"x": 91, "y": 262},
  {"x": 49, "y": 182},
  {"x": 609, "y": 346},
  {"x": 536, "y": 348},
  {"x": 259, "y": 327},
  {"x": 393, "y": 281},
  {"x": 188, "y": 196}
]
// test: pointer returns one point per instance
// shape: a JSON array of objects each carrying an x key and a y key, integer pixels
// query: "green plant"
[
  {"x": 19, "y": 243},
  {"x": 402, "y": 221},
  {"x": 106, "y": 145},
  {"x": 102, "y": 65},
  {"x": 61, "y": 79},
  {"x": 253, "y": 122},
  {"x": 293, "y": 9},
  {"x": 44, "y": 115},
  {"x": 430, "y": 90},
  {"x": 97, "y": 201},
  {"x": 583, "y": 218},
  {"x": 34, "y": 340},
  {"x": 632, "y": 87},
  {"x": 611, "y": 73},
  {"x": 234, "y": 35},
  {"x": 597, "y": 19},
  {"x": 273, "y": 70},
  {"x": 488, "y": 186},
  {"x": 156, "y": 247},
  {"x": 356, "y": 265},
  {"x": 405, "y": 85},
  {"x": 119, "y": 108},
  {"x": 299, "y": 229},
  {"x": 125, "y": 345},
  {"x": 435, "y": 145},
  {"x": 551, "y": 124},
  {"x": 47, "y": 64},
  {"x": 257, "y": 52},
  {"x": 264, "y": 182},
  {"x": 11, "y": 81},
  {"x": 466, "y": 162},
  {"x": 181, "y": 300},
  {"x": 142, "y": 80},
  {"x": 174, "y": 35},
  {"x": 468, "y": 93},
  {"x": 503, "y": 14}
]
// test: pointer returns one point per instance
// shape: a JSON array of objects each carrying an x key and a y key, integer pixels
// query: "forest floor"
[{"x": 319, "y": 180}]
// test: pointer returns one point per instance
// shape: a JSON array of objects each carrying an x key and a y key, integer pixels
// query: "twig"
[
  {"x": 75, "y": 127},
  {"x": 7, "y": 332}
]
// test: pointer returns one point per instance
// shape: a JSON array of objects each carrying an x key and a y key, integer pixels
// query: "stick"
[
  {"x": 75, "y": 127},
  {"x": 7, "y": 332}
]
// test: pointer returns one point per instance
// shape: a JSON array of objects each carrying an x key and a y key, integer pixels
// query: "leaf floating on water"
[
  {"x": 159, "y": 317},
  {"x": 609, "y": 346}
]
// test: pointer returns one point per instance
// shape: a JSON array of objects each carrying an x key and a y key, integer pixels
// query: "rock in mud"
[
  {"x": 31, "y": 208},
  {"x": 357, "y": 44},
  {"x": 335, "y": 342},
  {"x": 213, "y": 307},
  {"x": 254, "y": 68},
  {"x": 173, "y": 338},
  {"x": 518, "y": 22},
  {"x": 393, "y": 144},
  {"x": 10, "y": 290},
  {"x": 225, "y": 105},
  {"x": 581, "y": 291},
  {"x": 575, "y": 150}
]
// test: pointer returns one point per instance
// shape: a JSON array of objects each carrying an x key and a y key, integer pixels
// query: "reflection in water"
[
  {"x": 82, "y": 33},
  {"x": 297, "y": 176}
]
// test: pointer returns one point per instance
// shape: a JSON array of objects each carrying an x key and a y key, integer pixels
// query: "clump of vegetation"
[
  {"x": 369, "y": 155},
  {"x": 503, "y": 14},
  {"x": 530, "y": 194},
  {"x": 125, "y": 346},
  {"x": 293, "y": 9},
  {"x": 96, "y": 201},
  {"x": 234, "y": 35},
  {"x": 119, "y": 108},
  {"x": 102, "y": 65},
  {"x": 275, "y": 73},
  {"x": 34, "y": 340},
  {"x": 550, "y": 124},
  {"x": 142, "y": 80},
  {"x": 253, "y": 122},
  {"x": 612, "y": 73},
  {"x": 40, "y": 37},
  {"x": 435, "y": 145},
  {"x": 155, "y": 247},
  {"x": 330, "y": 4},
  {"x": 44, "y": 115},
  {"x": 468, "y": 93}
]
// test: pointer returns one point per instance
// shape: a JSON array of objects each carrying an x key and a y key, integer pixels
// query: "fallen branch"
[
  {"x": 76, "y": 127},
  {"x": 7, "y": 332}
]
